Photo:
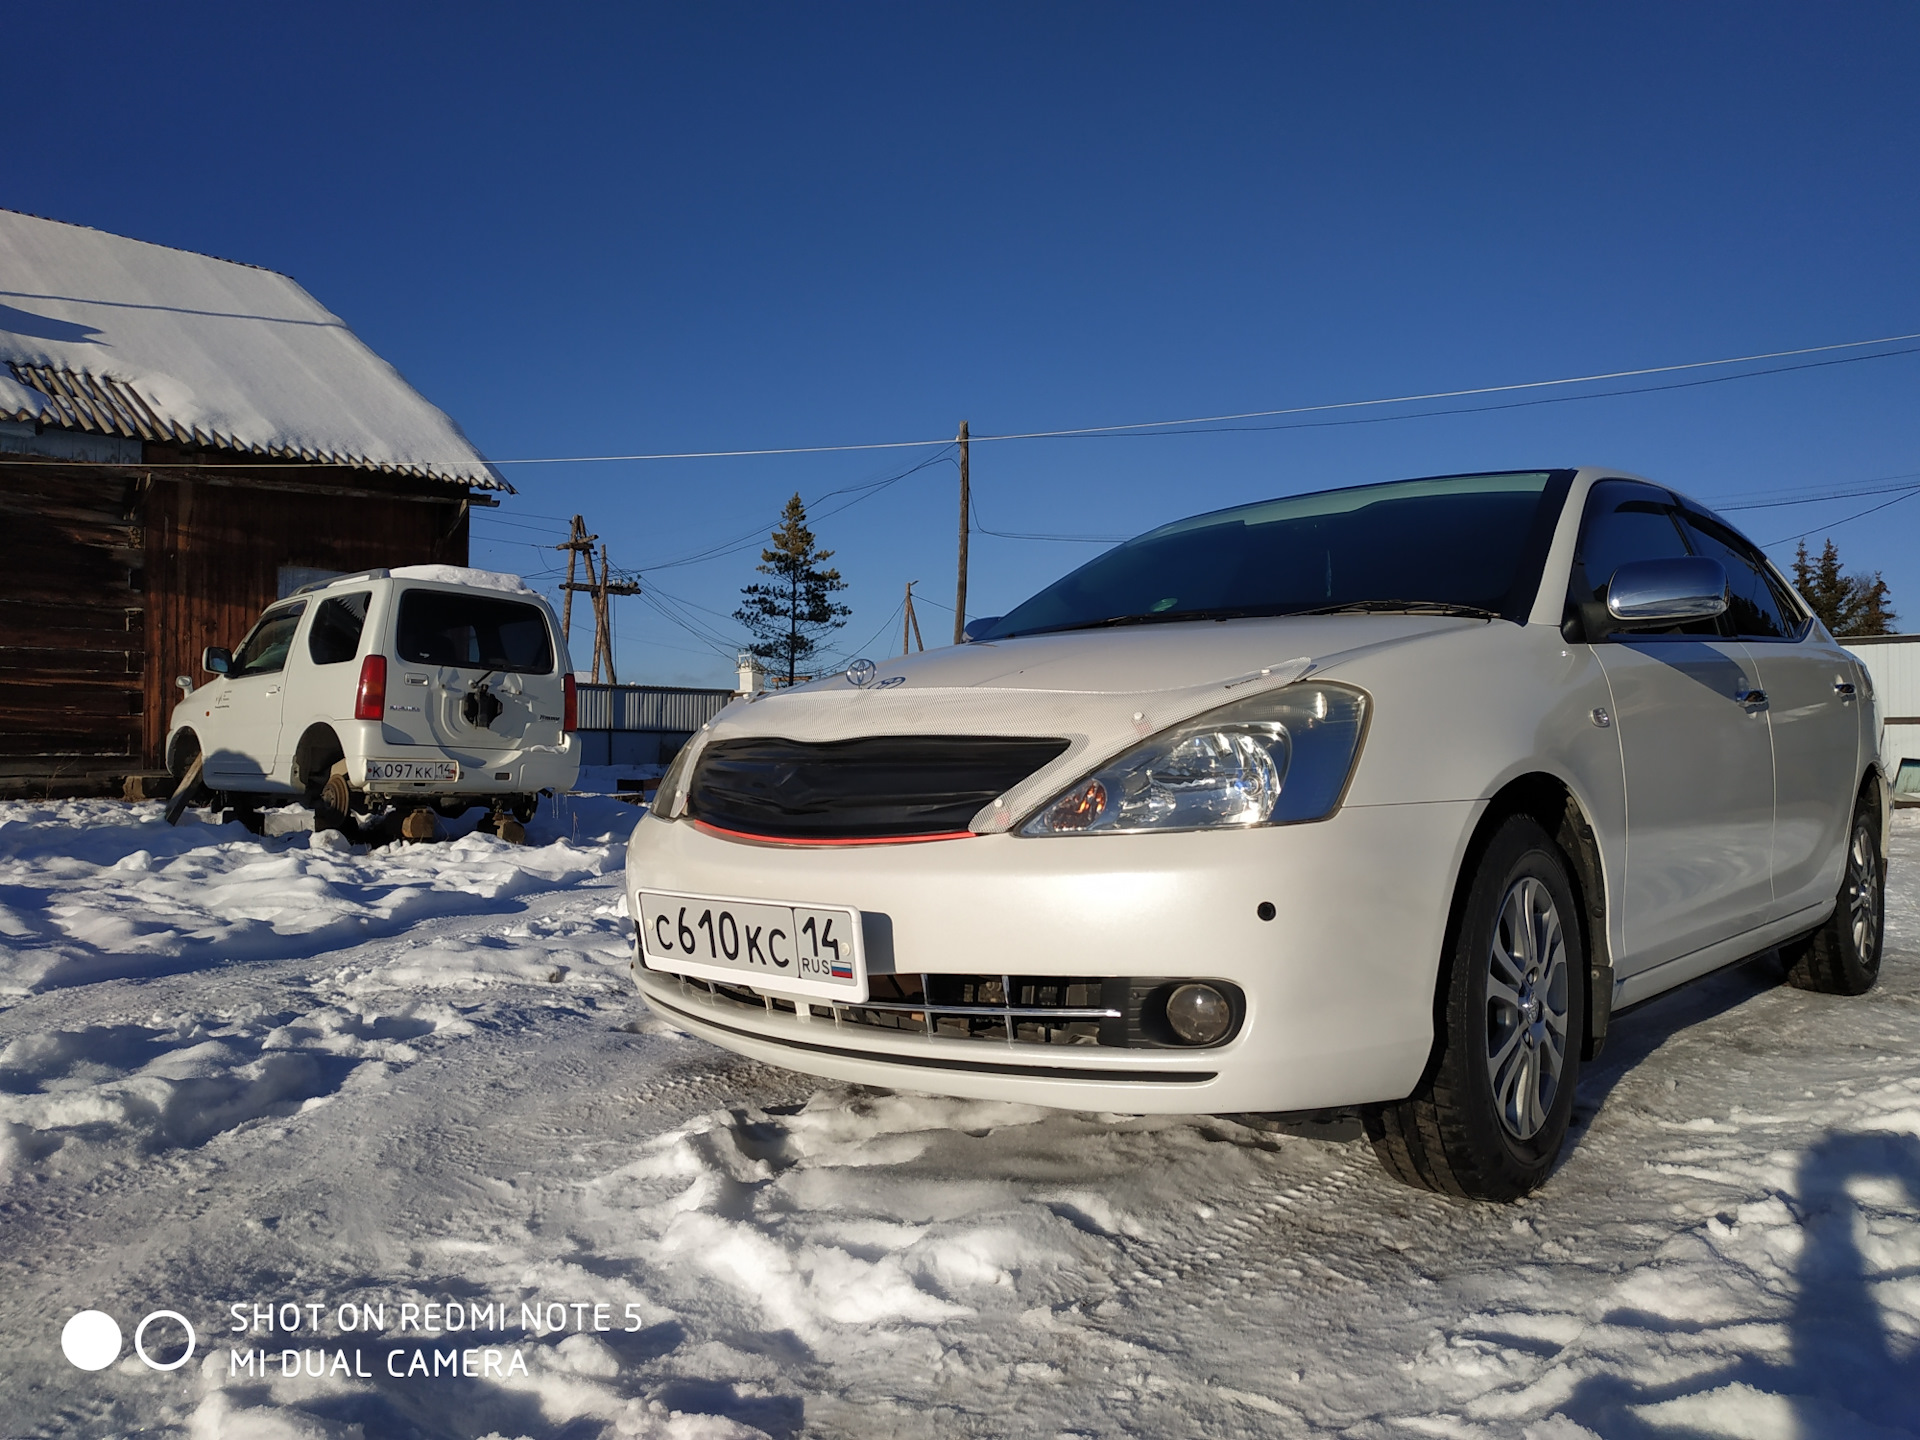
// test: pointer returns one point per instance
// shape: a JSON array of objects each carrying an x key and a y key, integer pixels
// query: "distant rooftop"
[{"x": 107, "y": 335}]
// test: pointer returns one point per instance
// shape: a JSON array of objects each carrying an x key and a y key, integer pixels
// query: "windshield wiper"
[
  {"x": 1154, "y": 617},
  {"x": 1244, "y": 612},
  {"x": 1402, "y": 607}
]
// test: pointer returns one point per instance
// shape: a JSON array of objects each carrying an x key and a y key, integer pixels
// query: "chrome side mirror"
[
  {"x": 217, "y": 659},
  {"x": 981, "y": 628},
  {"x": 1667, "y": 592}
]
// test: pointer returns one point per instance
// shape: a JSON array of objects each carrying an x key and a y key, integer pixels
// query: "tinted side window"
[
  {"x": 264, "y": 651},
  {"x": 442, "y": 627},
  {"x": 335, "y": 634},
  {"x": 1752, "y": 607}
]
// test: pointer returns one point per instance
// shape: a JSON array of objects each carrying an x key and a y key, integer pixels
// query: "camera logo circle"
[
  {"x": 91, "y": 1340},
  {"x": 140, "y": 1334}
]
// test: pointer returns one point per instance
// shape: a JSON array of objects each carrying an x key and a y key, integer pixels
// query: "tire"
[
  {"x": 1842, "y": 957},
  {"x": 1489, "y": 1119}
]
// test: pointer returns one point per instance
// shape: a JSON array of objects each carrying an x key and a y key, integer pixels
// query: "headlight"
[{"x": 1271, "y": 759}]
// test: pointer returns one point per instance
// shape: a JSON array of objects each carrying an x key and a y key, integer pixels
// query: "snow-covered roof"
[{"x": 116, "y": 336}]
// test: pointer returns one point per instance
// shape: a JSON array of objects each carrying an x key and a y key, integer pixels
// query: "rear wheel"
[
  {"x": 1488, "y": 1121},
  {"x": 1842, "y": 957}
]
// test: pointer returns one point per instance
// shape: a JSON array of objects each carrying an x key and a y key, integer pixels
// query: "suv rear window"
[
  {"x": 334, "y": 636},
  {"x": 442, "y": 627}
]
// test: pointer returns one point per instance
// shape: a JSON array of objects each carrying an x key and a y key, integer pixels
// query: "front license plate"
[
  {"x": 807, "y": 950},
  {"x": 434, "y": 772}
]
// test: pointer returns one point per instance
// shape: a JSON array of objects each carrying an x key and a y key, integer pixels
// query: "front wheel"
[
  {"x": 1488, "y": 1121},
  {"x": 1842, "y": 957}
]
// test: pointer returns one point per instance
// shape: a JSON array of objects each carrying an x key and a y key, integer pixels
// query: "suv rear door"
[{"x": 490, "y": 666}]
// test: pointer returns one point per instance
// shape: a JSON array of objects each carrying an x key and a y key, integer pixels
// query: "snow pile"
[
  {"x": 91, "y": 890},
  {"x": 236, "y": 1070}
]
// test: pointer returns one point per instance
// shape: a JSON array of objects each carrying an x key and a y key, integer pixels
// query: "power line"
[
  {"x": 1883, "y": 485},
  {"x": 1835, "y": 525},
  {"x": 1149, "y": 434},
  {"x": 830, "y": 655},
  {"x": 1183, "y": 426},
  {"x": 746, "y": 541},
  {"x": 980, "y": 525}
]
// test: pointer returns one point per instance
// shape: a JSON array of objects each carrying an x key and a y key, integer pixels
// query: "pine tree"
[
  {"x": 789, "y": 615},
  {"x": 1846, "y": 604}
]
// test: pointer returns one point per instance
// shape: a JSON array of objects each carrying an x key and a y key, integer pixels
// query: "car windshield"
[
  {"x": 446, "y": 627},
  {"x": 1456, "y": 544}
]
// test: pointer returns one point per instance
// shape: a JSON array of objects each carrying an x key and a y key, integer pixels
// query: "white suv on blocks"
[
  {"x": 1376, "y": 801},
  {"x": 425, "y": 685}
]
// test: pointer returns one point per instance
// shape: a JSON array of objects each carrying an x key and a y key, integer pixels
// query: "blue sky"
[{"x": 588, "y": 230}]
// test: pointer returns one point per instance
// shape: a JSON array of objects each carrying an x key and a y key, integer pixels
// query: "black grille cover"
[{"x": 874, "y": 787}]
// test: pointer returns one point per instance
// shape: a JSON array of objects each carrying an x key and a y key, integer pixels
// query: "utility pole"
[
  {"x": 598, "y": 588},
  {"x": 966, "y": 517},
  {"x": 576, "y": 543},
  {"x": 910, "y": 622},
  {"x": 603, "y": 608}
]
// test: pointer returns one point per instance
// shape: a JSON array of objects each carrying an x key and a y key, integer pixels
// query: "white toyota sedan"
[{"x": 1375, "y": 801}]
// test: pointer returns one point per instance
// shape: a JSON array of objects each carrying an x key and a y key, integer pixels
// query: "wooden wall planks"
[{"x": 112, "y": 583}]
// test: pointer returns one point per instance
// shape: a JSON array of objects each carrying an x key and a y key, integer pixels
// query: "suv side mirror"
[
  {"x": 981, "y": 628},
  {"x": 1666, "y": 592},
  {"x": 216, "y": 658}
]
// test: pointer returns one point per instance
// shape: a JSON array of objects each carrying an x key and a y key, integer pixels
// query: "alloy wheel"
[
  {"x": 1863, "y": 894},
  {"x": 1527, "y": 1012}
]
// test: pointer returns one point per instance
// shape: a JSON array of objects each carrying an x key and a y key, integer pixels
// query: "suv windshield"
[
  {"x": 444, "y": 627},
  {"x": 1456, "y": 544}
]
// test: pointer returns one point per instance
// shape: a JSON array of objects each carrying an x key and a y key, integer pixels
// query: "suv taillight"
[
  {"x": 370, "y": 701},
  {"x": 570, "y": 704}
]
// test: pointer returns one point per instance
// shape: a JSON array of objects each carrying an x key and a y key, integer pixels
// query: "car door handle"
[
  {"x": 273, "y": 690},
  {"x": 1752, "y": 699},
  {"x": 1844, "y": 689}
]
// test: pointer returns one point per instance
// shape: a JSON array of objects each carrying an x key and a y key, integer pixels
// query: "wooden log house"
[{"x": 182, "y": 441}]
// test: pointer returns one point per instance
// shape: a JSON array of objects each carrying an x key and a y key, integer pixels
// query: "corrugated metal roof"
[
  {"x": 112, "y": 336},
  {"x": 102, "y": 405}
]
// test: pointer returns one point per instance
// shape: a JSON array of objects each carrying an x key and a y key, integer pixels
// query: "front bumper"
[{"x": 1339, "y": 985}]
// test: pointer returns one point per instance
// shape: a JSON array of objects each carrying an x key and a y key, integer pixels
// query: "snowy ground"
[{"x": 276, "y": 1072}]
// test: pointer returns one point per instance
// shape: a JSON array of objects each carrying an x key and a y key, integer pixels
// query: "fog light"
[{"x": 1199, "y": 1014}]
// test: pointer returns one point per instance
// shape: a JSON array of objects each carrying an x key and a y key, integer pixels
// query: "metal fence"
[
  {"x": 1894, "y": 663},
  {"x": 647, "y": 707}
]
